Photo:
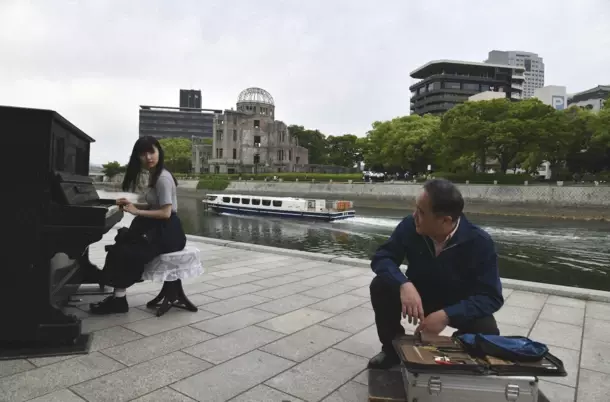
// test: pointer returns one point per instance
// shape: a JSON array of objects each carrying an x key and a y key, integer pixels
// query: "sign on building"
[{"x": 558, "y": 102}]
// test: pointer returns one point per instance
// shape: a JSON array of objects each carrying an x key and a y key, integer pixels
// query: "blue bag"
[{"x": 513, "y": 348}]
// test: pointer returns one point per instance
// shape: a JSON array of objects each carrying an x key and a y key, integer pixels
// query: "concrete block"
[
  {"x": 264, "y": 393},
  {"x": 567, "y": 315},
  {"x": 114, "y": 336},
  {"x": 132, "y": 382},
  {"x": 352, "y": 391},
  {"x": 566, "y": 301},
  {"x": 313, "y": 272},
  {"x": 295, "y": 321},
  {"x": 277, "y": 281},
  {"x": 234, "y": 304},
  {"x": 556, "y": 392},
  {"x": 362, "y": 378},
  {"x": 287, "y": 304},
  {"x": 283, "y": 291},
  {"x": 304, "y": 344},
  {"x": 34, "y": 383},
  {"x": 597, "y": 329},
  {"x": 364, "y": 291},
  {"x": 354, "y": 262},
  {"x": 352, "y": 321},
  {"x": 595, "y": 356},
  {"x": 365, "y": 343},
  {"x": 233, "y": 291},
  {"x": 519, "y": 316},
  {"x": 328, "y": 291},
  {"x": 348, "y": 273},
  {"x": 175, "y": 318},
  {"x": 526, "y": 299},
  {"x": 319, "y": 280},
  {"x": 233, "y": 321},
  {"x": 232, "y": 281},
  {"x": 339, "y": 304},
  {"x": 557, "y": 334},
  {"x": 601, "y": 311},
  {"x": 164, "y": 395},
  {"x": 95, "y": 323},
  {"x": 557, "y": 290},
  {"x": 64, "y": 395},
  {"x": 149, "y": 348},
  {"x": 226, "y": 273},
  {"x": 10, "y": 367},
  {"x": 229, "y": 379},
  {"x": 593, "y": 386},
  {"x": 319, "y": 376},
  {"x": 571, "y": 362},
  {"x": 226, "y": 347},
  {"x": 509, "y": 330},
  {"x": 358, "y": 281}
]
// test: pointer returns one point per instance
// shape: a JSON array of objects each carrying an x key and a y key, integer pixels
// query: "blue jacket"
[{"x": 463, "y": 280}]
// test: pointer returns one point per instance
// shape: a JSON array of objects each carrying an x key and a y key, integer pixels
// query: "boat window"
[
  {"x": 235, "y": 200},
  {"x": 266, "y": 202},
  {"x": 226, "y": 199},
  {"x": 245, "y": 201},
  {"x": 277, "y": 203},
  {"x": 211, "y": 197},
  {"x": 256, "y": 201}
]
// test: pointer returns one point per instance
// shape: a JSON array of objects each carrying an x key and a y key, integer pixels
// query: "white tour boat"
[{"x": 285, "y": 207}]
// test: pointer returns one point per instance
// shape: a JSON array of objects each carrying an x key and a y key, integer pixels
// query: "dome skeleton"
[{"x": 255, "y": 95}]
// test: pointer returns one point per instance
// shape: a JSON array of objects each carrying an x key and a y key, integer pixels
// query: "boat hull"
[{"x": 324, "y": 216}]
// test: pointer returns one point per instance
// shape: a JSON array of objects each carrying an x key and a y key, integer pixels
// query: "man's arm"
[
  {"x": 386, "y": 261},
  {"x": 487, "y": 293}
]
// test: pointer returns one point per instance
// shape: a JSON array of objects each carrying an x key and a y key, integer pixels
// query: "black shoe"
[
  {"x": 110, "y": 305},
  {"x": 384, "y": 361}
]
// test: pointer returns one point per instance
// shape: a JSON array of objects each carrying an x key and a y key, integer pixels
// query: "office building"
[
  {"x": 553, "y": 95},
  {"x": 176, "y": 122},
  {"x": 531, "y": 62},
  {"x": 250, "y": 139},
  {"x": 446, "y": 83},
  {"x": 592, "y": 99},
  {"x": 190, "y": 98}
]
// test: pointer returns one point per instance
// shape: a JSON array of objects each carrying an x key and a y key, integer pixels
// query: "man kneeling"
[{"x": 452, "y": 276}]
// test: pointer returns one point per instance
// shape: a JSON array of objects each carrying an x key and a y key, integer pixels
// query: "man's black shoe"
[
  {"x": 384, "y": 361},
  {"x": 110, "y": 305}
]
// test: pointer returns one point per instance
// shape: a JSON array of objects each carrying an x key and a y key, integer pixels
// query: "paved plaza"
[{"x": 273, "y": 327}]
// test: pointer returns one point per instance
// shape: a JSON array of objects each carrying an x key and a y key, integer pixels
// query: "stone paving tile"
[
  {"x": 556, "y": 392},
  {"x": 223, "y": 348},
  {"x": 327, "y": 291},
  {"x": 352, "y": 320},
  {"x": 350, "y": 392},
  {"x": 295, "y": 321},
  {"x": 227, "y": 380},
  {"x": 304, "y": 344},
  {"x": 564, "y": 314},
  {"x": 174, "y": 318},
  {"x": 319, "y": 281},
  {"x": 113, "y": 336},
  {"x": 140, "y": 379},
  {"x": 571, "y": 362},
  {"x": 263, "y": 393},
  {"x": 518, "y": 316},
  {"x": 45, "y": 361},
  {"x": 362, "y": 378},
  {"x": 151, "y": 347},
  {"x": 339, "y": 304},
  {"x": 364, "y": 291},
  {"x": 33, "y": 383},
  {"x": 597, "y": 329},
  {"x": 198, "y": 287},
  {"x": 506, "y": 292},
  {"x": 95, "y": 323},
  {"x": 508, "y": 330},
  {"x": 593, "y": 386},
  {"x": 283, "y": 291},
  {"x": 233, "y": 321},
  {"x": 566, "y": 301},
  {"x": 63, "y": 395},
  {"x": 287, "y": 304},
  {"x": 365, "y": 343},
  {"x": 233, "y": 291},
  {"x": 314, "y": 272},
  {"x": 232, "y": 281},
  {"x": 234, "y": 304},
  {"x": 201, "y": 299},
  {"x": 227, "y": 273},
  {"x": 526, "y": 299},
  {"x": 277, "y": 281},
  {"x": 600, "y": 311},
  {"x": 10, "y": 367},
  {"x": 319, "y": 376},
  {"x": 358, "y": 281},
  {"x": 164, "y": 395},
  {"x": 557, "y": 334},
  {"x": 595, "y": 356}
]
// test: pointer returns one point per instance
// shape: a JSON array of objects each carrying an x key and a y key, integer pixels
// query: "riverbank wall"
[{"x": 569, "y": 202}]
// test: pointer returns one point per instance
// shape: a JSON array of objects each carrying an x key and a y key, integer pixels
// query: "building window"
[
  {"x": 234, "y": 135},
  {"x": 218, "y": 153},
  {"x": 422, "y": 90},
  {"x": 257, "y": 159},
  {"x": 257, "y": 124},
  {"x": 434, "y": 86},
  {"x": 452, "y": 85},
  {"x": 290, "y": 154},
  {"x": 280, "y": 155},
  {"x": 484, "y": 88},
  {"x": 219, "y": 135},
  {"x": 234, "y": 153},
  {"x": 234, "y": 119},
  {"x": 470, "y": 86},
  {"x": 257, "y": 141}
]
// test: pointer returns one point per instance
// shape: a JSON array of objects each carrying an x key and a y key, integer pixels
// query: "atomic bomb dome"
[{"x": 255, "y": 95}]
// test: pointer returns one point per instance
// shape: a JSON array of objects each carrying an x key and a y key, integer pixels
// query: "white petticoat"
[{"x": 169, "y": 267}]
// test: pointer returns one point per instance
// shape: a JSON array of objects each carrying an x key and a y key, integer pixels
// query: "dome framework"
[{"x": 255, "y": 95}]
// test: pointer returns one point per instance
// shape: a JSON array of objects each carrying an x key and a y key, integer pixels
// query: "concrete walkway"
[{"x": 273, "y": 327}]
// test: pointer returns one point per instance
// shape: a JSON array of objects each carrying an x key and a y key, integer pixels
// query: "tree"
[
  {"x": 314, "y": 141},
  {"x": 344, "y": 150},
  {"x": 111, "y": 169},
  {"x": 178, "y": 153}
]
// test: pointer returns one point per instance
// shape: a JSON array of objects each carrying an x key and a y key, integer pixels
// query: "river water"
[{"x": 572, "y": 253}]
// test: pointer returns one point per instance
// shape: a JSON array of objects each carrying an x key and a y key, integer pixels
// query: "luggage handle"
[
  {"x": 512, "y": 392},
  {"x": 435, "y": 386}
]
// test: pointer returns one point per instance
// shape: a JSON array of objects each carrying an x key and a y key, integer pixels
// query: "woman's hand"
[
  {"x": 132, "y": 209},
  {"x": 122, "y": 202}
]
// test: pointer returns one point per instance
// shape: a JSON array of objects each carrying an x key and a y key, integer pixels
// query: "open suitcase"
[{"x": 438, "y": 368}]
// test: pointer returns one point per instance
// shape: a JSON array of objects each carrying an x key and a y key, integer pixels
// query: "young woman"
[{"x": 156, "y": 229}]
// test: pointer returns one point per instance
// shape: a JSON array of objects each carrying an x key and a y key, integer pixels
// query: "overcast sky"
[{"x": 334, "y": 65}]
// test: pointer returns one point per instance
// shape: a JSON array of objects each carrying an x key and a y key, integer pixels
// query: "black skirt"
[{"x": 139, "y": 244}]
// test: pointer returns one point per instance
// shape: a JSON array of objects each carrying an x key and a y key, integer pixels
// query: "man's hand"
[
  {"x": 434, "y": 323},
  {"x": 411, "y": 303}
]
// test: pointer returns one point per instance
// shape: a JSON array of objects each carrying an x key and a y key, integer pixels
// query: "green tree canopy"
[
  {"x": 178, "y": 153},
  {"x": 111, "y": 169},
  {"x": 344, "y": 150}
]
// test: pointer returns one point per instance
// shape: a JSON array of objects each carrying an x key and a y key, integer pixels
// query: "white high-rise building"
[{"x": 531, "y": 62}]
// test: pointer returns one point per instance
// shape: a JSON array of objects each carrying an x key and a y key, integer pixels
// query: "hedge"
[
  {"x": 213, "y": 184},
  {"x": 484, "y": 178},
  {"x": 269, "y": 176}
]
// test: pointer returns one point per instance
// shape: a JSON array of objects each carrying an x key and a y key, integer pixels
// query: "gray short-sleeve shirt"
[{"x": 163, "y": 193}]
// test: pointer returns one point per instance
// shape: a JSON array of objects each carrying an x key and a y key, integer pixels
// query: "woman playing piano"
[{"x": 156, "y": 229}]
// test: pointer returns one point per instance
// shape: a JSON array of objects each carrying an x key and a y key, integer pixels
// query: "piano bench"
[{"x": 171, "y": 269}]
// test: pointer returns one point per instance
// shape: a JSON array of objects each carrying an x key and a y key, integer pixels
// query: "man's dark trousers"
[{"x": 385, "y": 297}]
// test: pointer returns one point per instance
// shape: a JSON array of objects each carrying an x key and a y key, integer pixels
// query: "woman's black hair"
[{"x": 134, "y": 167}]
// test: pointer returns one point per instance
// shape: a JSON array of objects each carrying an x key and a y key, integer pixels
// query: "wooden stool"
[{"x": 171, "y": 269}]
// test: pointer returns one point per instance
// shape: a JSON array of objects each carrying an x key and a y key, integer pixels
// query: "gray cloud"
[{"x": 333, "y": 65}]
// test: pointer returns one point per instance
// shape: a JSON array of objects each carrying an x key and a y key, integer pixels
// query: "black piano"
[{"x": 51, "y": 216}]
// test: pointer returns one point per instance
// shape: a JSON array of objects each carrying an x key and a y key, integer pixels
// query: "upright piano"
[{"x": 51, "y": 214}]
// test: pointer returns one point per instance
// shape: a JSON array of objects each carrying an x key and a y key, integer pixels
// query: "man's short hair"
[{"x": 445, "y": 198}]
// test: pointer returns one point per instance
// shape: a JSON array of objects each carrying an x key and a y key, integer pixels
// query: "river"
[{"x": 564, "y": 252}]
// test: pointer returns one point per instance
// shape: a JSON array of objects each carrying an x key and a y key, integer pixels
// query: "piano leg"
[{"x": 89, "y": 274}]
